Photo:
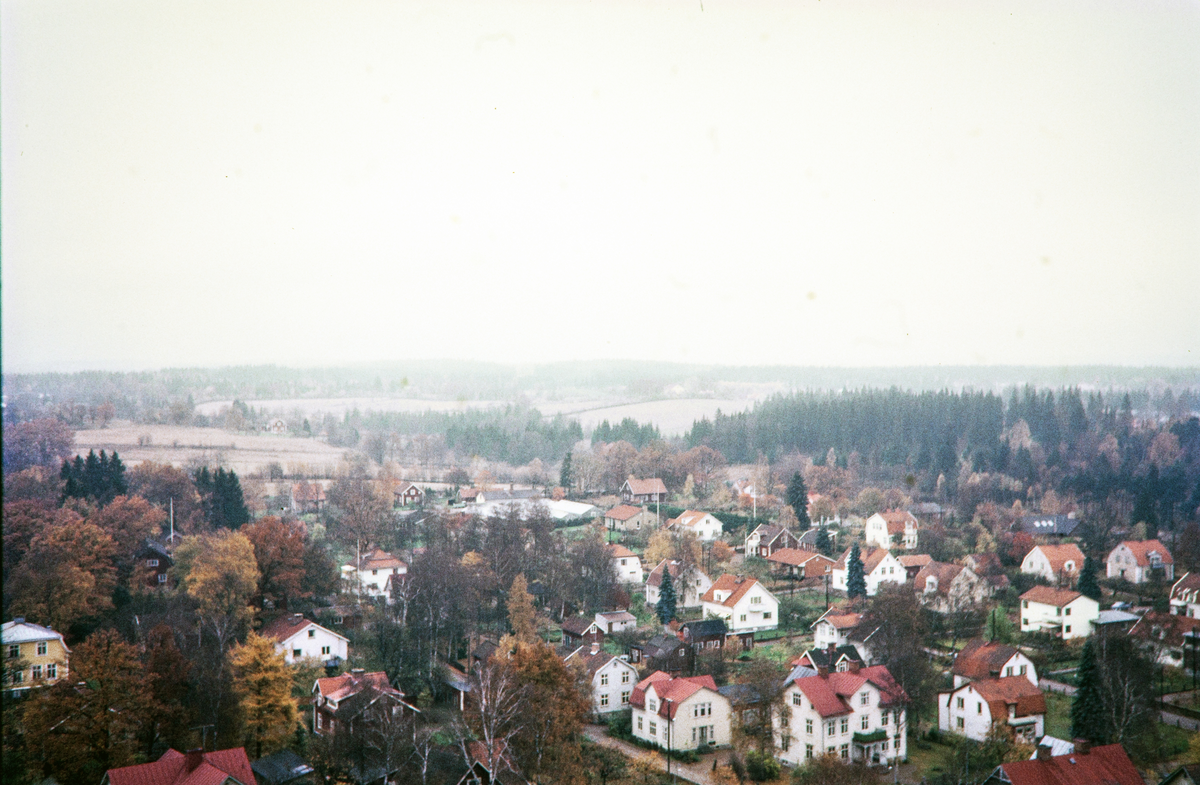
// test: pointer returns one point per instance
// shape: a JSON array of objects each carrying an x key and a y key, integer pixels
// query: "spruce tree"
[
  {"x": 1088, "y": 585},
  {"x": 117, "y": 483},
  {"x": 797, "y": 499},
  {"x": 1087, "y": 709},
  {"x": 93, "y": 476},
  {"x": 665, "y": 610},
  {"x": 824, "y": 546},
  {"x": 856, "y": 581},
  {"x": 565, "y": 478}
]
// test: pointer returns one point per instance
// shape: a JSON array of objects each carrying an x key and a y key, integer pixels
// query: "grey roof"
[
  {"x": 21, "y": 631},
  {"x": 1060, "y": 525},
  {"x": 155, "y": 547},
  {"x": 1115, "y": 617},
  {"x": 661, "y": 644},
  {"x": 799, "y": 672},
  {"x": 1057, "y": 746},
  {"x": 705, "y": 628},
  {"x": 280, "y": 768},
  {"x": 739, "y": 694},
  {"x": 820, "y": 657}
]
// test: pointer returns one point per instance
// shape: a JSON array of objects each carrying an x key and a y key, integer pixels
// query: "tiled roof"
[
  {"x": 982, "y": 660},
  {"x": 1109, "y": 765},
  {"x": 579, "y": 625},
  {"x": 824, "y": 697},
  {"x": 622, "y": 512},
  {"x": 986, "y": 564},
  {"x": 285, "y": 627},
  {"x": 380, "y": 559},
  {"x": 638, "y": 696},
  {"x": 945, "y": 574},
  {"x": 616, "y": 551},
  {"x": 1187, "y": 588},
  {"x": 794, "y": 557},
  {"x": 341, "y": 687},
  {"x": 1143, "y": 548},
  {"x": 688, "y": 518},
  {"x": 655, "y": 576},
  {"x": 617, "y": 616},
  {"x": 591, "y": 662},
  {"x": 642, "y": 487},
  {"x": 915, "y": 560},
  {"x": 1011, "y": 691},
  {"x": 736, "y": 585},
  {"x": 768, "y": 531},
  {"x": 819, "y": 658},
  {"x": 891, "y": 693},
  {"x": 703, "y": 628},
  {"x": 1059, "y": 555},
  {"x": 841, "y": 621},
  {"x": 870, "y": 559},
  {"x": 673, "y": 692},
  {"x": 1165, "y": 628},
  {"x": 171, "y": 769},
  {"x": 1049, "y": 596}
]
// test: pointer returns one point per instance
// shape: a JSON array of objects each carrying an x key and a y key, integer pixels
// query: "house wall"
[
  {"x": 372, "y": 583},
  {"x": 628, "y": 569},
  {"x": 747, "y": 615},
  {"x": 973, "y": 718},
  {"x": 1078, "y": 615},
  {"x": 684, "y": 599},
  {"x": 612, "y": 686},
  {"x": 686, "y": 724},
  {"x": 825, "y": 633},
  {"x": 1013, "y": 667},
  {"x": 56, "y": 656},
  {"x": 1121, "y": 563},
  {"x": 796, "y": 734},
  {"x": 314, "y": 646},
  {"x": 645, "y": 518}
]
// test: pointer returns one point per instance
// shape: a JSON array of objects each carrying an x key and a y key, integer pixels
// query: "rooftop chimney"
[
  {"x": 855, "y": 665},
  {"x": 822, "y": 671},
  {"x": 1082, "y": 746},
  {"x": 1043, "y": 752},
  {"x": 595, "y": 647},
  {"x": 194, "y": 758}
]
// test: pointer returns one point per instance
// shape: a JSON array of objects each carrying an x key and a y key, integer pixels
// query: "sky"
[{"x": 815, "y": 182}]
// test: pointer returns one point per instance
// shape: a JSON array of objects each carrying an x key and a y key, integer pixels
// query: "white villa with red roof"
[
  {"x": 743, "y": 602},
  {"x": 1059, "y": 564},
  {"x": 971, "y": 709},
  {"x": 1139, "y": 561},
  {"x": 838, "y": 628},
  {"x": 627, "y": 518},
  {"x": 892, "y": 529},
  {"x": 681, "y": 713},
  {"x": 298, "y": 638},
  {"x": 980, "y": 660},
  {"x": 879, "y": 565},
  {"x": 611, "y": 677},
  {"x": 857, "y": 714},
  {"x": 370, "y": 577},
  {"x": 1060, "y": 612},
  {"x": 704, "y": 525},
  {"x": 686, "y": 596},
  {"x": 626, "y": 564}
]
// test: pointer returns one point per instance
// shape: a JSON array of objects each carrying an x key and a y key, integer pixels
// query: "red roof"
[
  {"x": 795, "y": 558},
  {"x": 1059, "y": 555},
  {"x": 915, "y": 560},
  {"x": 172, "y": 769},
  {"x": 1046, "y": 595},
  {"x": 340, "y": 687},
  {"x": 981, "y": 660},
  {"x": 638, "y": 696},
  {"x": 736, "y": 585},
  {"x": 1187, "y": 588},
  {"x": 1143, "y": 548},
  {"x": 829, "y": 694},
  {"x": 841, "y": 621},
  {"x": 943, "y": 572},
  {"x": 623, "y": 512},
  {"x": 644, "y": 487},
  {"x": 672, "y": 692},
  {"x": 1010, "y": 691},
  {"x": 1108, "y": 765},
  {"x": 380, "y": 559},
  {"x": 620, "y": 552},
  {"x": 897, "y": 520},
  {"x": 285, "y": 627}
]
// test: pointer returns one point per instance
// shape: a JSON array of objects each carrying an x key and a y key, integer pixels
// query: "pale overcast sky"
[{"x": 809, "y": 182}]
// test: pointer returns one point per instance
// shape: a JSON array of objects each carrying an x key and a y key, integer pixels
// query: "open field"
[
  {"x": 339, "y": 406},
  {"x": 243, "y": 452},
  {"x": 673, "y": 417}
]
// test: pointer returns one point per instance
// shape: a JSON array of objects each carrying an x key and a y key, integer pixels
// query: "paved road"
[
  {"x": 698, "y": 773},
  {"x": 1165, "y": 715}
]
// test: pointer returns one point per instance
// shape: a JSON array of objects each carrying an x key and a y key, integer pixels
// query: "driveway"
[{"x": 699, "y": 773}]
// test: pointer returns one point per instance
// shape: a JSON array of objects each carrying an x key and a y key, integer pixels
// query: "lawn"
[{"x": 1058, "y": 715}]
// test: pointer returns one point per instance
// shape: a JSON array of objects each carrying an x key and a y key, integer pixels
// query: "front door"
[{"x": 703, "y": 735}]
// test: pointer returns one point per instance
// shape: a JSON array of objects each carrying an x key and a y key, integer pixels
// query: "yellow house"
[{"x": 33, "y": 655}]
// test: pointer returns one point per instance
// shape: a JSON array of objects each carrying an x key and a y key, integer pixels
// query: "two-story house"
[
  {"x": 948, "y": 588},
  {"x": 1058, "y": 564},
  {"x": 369, "y": 577},
  {"x": 226, "y": 767},
  {"x": 1060, "y": 612},
  {"x": 353, "y": 701},
  {"x": 298, "y": 638},
  {"x": 704, "y": 525},
  {"x": 704, "y": 634},
  {"x": 892, "y": 529},
  {"x": 857, "y": 714},
  {"x": 688, "y": 588},
  {"x": 154, "y": 563},
  {"x": 970, "y": 710},
  {"x": 743, "y": 602},
  {"x": 634, "y": 491},
  {"x": 1141, "y": 561},
  {"x": 612, "y": 678},
  {"x": 681, "y": 713},
  {"x": 837, "y": 628},
  {"x": 33, "y": 655},
  {"x": 663, "y": 653},
  {"x": 627, "y": 518},
  {"x": 407, "y": 495},
  {"x": 580, "y": 630},
  {"x": 626, "y": 564},
  {"x": 767, "y": 538},
  {"x": 879, "y": 565},
  {"x": 980, "y": 660}
]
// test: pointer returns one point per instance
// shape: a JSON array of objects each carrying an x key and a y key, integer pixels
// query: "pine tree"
[
  {"x": 262, "y": 682},
  {"x": 824, "y": 546},
  {"x": 565, "y": 476},
  {"x": 797, "y": 499},
  {"x": 1087, "y": 710},
  {"x": 856, "y": 582},
  {"x": 1088, "y": 585},
  {"x": 665, "y": 610},
  {"x": 117, "y": 484}
]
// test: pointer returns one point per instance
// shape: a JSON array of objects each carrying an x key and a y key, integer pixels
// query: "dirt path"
[{"x": 699, "y": 773}]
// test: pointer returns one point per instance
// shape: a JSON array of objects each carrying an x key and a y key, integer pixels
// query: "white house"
[
  {"x": 949, "y": 588},
  {"x": 878, "y": 565},
  {"x": 687, "y": 595},
  {"x": 971, "y": 709},
  {"x": 627, "y": 518},
  {"x": 1140, "y": 561},
  {"x": 744, "y": 604},
  {"x": 1185, "y": 595},
  {"x": 705, "y": 525},
  {"x": 299, "y": 638},
  {"x": 370, "y": 576},
  {"x": 626, "y": 564},
  {"x": 857, "y": 714},
  {"x": 980, "y": 661},
  {"x": 611, "y": 677},
  {"x": 1061, "y": 612},
  {"x": 838, "y": 628},
  {"x": 893, "y": 528},
  {"x": 681, "y": 713},
  {"x": 1059, "y": 564}
]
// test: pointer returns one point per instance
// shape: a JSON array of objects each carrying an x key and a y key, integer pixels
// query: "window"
[
  {"x": 623, "y": 562},
  {"x": 52, "y": 671},
  {"x": 808, "y": 727},
  {"x": 14, "y": 651},
  {"x": 961, "y": 703},
  {"x": 866, "y": 722},
  {"x": 742, "y": 617},
  {"x": 885, "y": 745},
  {"x": 693, "y": 735},
  {"x": 883, "y": 715},
  {"x": 1068, "y": 628},
  {"x": 749, "y": 714},
  {"x": 702, "y": 710},
  {"x": 979, "y": 707},
  {"x": 1008, "y": 671},
  {"x": 959, "y": 722},
  {"x": 797, "y": 700},
  {"x": 1068, "y": 611},
  {"x": 41, "y": 649},
  {"x": 1058, "y": 611},
  {"x": 374, "y": 572},
  {"x": 652, "y": 706},
  {"x": 865, "y": 699},
  {"x": 151, "y": 562},
  {"x": 18, "y": 677},
  {"x": 36, "y": 673},
  {"x": 639, "y": 722},
  {"x": 625, "y": 677},
  {"x": 785, "y": 743},
  {"x": 808, "y": 751},
  {"x": 296, "y": 653},
  {"x": 604, "y": 699},
  {"x": 324, "y": 649},
  {"x": 603, "y": 679},
  {"x": 766, "y": 614},
  {"x": 162, "y": 577},
  {"x": 1025, "y": 622},
  {"x": 755, "y": 600},
  {"x": 845, "y": 725},
  {"x": 832, "y": 750},
  {"x": 625, "y": 697},
  {"x": 1025, "y": 604},
  {"x": 312, "y": 633},
  {"x": 845, "y": 751},
  {"x": 653, "y": 728},
  {"x": 1022, "y": 671},
  {"x": 831, "y": 728}
]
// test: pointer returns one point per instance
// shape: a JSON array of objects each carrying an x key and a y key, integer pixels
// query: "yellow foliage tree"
[
  {"x": 262, "y": 682},
  {"x": 220, "y": 572},
  {"x": 521, "y": 615}
]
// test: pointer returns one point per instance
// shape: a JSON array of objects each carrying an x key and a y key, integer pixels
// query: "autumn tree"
[
  {"x": 262, "y": 683},
  {"x": 497, "y": 713},
  {"x": 67, "y": 576},
  {"x": 45, "y": 442},
  {"x": 829, "y": 769},
  {"x": 279, "y": 553},
  {"x": 764, "y": 680},
  {"x": 900, "y": 626},
  {"x": 168, "y": 718},
  {"x": 168, "y": 488},
  {"x": 548, "y": 741},
  {"x": 130, "y": 521},
  {"x": 220, "y": 573},
  {"x": 521, "y": 616},
  {"x": 358, "y": 516},
  {"x": 89, "y": 723}
]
